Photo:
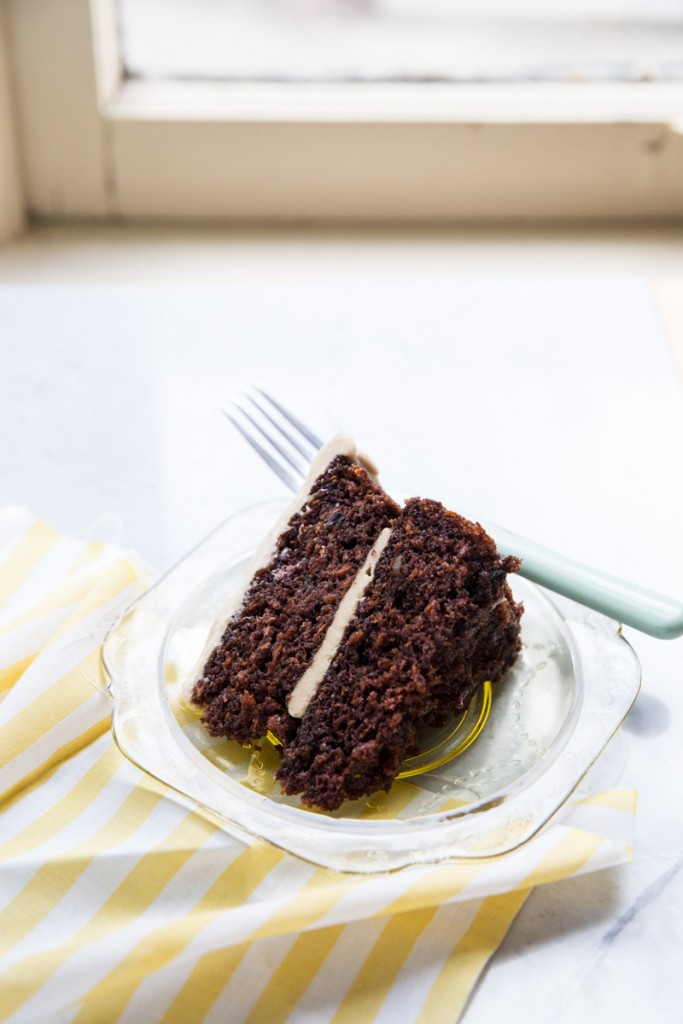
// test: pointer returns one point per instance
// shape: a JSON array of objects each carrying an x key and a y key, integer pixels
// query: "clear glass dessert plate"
[{"x": 482, "y": 786}]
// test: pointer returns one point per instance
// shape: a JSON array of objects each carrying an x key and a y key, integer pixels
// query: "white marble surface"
[{"x": 552, "y": 406}]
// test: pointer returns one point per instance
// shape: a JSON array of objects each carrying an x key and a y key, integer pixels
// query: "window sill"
[
  {"x": 396, "y": 103},
  {"x": 98, "y": 145}
]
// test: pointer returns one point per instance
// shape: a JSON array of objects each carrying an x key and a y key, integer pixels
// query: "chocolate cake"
[
  {"x": 359, "y": 624},
  {"x": 299, "y": 577},
  {"x": 437, "y": 620}
]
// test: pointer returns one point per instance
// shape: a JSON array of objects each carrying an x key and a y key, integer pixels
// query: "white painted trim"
[
  {"x": 11, "y": 194},
  {"x": 97, "y": 145},
  {"x": 107, "y": 53},
  {"x": 398, "y": 103},
  {"x": 386, "y": 172},
  {"x": 63, "y": 133}
]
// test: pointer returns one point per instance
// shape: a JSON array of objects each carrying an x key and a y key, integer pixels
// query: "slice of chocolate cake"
[
  {"x": 436, "y": 620},
  {"x": 264, "y": 641},
  {"x": 358, "y": 624}
]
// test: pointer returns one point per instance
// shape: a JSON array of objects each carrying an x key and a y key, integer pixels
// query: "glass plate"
[{"x": 550, "y": 717}]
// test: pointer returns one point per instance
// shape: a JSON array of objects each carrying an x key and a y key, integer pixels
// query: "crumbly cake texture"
[
  {"x": 289, "y": 604},
  {"x": 437, "y": 620}
]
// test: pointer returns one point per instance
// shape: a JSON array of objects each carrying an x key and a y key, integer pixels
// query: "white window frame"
[
  {"x": 94, "y": 144},
  {"x": 11, "y": 196}
]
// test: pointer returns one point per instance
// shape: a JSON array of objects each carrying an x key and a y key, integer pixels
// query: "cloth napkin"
[{"x": 120, "y": 902}]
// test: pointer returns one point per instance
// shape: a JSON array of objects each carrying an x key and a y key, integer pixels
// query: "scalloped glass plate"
[{"x": 482, "y": 786}]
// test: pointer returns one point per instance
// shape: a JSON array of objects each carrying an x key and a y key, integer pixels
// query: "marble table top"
[{"x": 551, "y": 406}]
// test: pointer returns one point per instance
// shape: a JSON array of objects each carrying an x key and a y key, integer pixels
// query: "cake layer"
[
  {"x": 307, "y": 686},
  {"x": 341, "y": 444},
  {"x": 436, "y": 621},
  {"x": 285, "y": 612}
]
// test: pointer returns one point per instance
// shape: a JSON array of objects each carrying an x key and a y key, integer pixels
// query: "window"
[
  {"x": 403, "y": 40},
  {"x": 350, "y": 110}
]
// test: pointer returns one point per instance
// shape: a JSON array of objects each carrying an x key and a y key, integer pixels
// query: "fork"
[{"x": 288, "y": 446}]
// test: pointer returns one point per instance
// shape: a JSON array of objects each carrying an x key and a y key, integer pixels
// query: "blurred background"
[
  {"x": 432, "y": 205},
  {"x": 398, "y": 112},
  {"x": 404, "y": 40}
]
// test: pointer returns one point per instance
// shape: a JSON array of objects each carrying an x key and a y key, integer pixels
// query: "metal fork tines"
[{"x": 289, "y": 444}]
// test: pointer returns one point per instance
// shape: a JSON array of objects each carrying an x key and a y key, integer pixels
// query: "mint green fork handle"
[{"x": 635, "y": 606}]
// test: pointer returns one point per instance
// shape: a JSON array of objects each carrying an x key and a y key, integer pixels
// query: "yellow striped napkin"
[{"x": 119, "y": 902}]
